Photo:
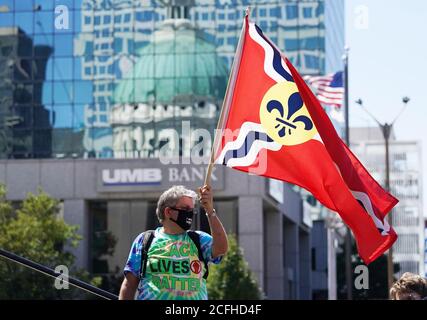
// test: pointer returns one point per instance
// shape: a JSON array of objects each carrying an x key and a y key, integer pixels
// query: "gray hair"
[{"x": 170, "y": 198}]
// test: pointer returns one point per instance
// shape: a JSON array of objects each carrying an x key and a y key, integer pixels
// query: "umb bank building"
[{"x": 97, "y": 96}]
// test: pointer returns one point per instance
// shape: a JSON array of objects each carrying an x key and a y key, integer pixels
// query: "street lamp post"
[{"x": 386, "y": 131}]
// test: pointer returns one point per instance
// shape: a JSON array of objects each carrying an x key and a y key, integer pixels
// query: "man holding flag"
[{"x": 273, "y": 125}]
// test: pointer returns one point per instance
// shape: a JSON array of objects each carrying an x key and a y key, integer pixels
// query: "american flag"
[{"x": 329, "y": 88}]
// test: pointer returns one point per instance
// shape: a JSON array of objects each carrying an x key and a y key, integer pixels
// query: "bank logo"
[
  {"x": 284, "y": 115},
  {"x": 131, "y": 177}
]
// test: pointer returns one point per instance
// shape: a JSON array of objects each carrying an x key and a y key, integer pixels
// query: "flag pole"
[
  {"x": 227, "y": 100},
  {"x": 347, "y": 240}
]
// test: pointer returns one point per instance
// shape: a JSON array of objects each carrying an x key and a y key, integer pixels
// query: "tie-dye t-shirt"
[{"x": 173, "y": 270}]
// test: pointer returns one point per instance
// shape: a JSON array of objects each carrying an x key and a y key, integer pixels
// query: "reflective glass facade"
[{"x": 110, "y": 78}]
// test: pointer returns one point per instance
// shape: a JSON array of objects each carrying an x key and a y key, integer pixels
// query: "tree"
[
  {"x": 35, "y": 231},
  {"x": 232, "y": 278}
]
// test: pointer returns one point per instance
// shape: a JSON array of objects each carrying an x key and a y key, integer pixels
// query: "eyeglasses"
[{"x": 188, "y": 212}]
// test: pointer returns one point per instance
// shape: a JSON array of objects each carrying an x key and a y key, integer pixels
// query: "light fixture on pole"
[{"x": 386, "y": 131}]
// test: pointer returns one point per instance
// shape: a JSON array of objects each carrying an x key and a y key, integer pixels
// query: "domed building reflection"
[{"x": 174, "y": 88}]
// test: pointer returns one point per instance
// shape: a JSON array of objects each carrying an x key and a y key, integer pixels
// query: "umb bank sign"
[{"x": 151, "y": 175}]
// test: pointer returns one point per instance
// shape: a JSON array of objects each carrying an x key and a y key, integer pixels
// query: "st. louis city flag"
[{"x": 274, "y": 126}]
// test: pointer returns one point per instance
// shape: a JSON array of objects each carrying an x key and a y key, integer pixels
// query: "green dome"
[{"x": 178, "y": 66}]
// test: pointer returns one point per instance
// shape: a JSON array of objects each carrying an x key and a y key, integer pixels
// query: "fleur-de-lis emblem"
[
  {"x": 284, "y": 115},
  {"x": 295, "y": 103}
]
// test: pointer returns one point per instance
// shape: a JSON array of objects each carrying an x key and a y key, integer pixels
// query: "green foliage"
[
  {"x": 232, "y": 278},
  {"x": 35, "y": 231}
]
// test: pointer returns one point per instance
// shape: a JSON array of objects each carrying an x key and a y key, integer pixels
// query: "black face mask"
[{"x": 184, "y": 219}]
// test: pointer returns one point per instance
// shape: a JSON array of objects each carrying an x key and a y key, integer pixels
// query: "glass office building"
[{"x": 106, "y": 59}]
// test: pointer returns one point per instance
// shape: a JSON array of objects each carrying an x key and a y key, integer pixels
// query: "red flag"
[{"x": 274, "y": 126}]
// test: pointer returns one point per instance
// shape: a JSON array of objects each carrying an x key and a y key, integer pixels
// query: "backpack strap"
[
  {"x": 196, "y": 239},
  {"x": 146, "y": 243}
]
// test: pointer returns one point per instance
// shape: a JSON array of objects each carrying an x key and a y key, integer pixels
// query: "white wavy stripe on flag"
[
  {"x": 256, "y": 147},
  {"x": 269, "y": 54},
  {"x": 285, "y": 67},
  {"x": 236, "y": 144},
  {"x": 364, "y": 199}
]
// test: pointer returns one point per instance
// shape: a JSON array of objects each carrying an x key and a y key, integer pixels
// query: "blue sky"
[{"x": 388, "y": 60}]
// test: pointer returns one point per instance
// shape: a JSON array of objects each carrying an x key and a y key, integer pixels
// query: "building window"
[
  {"x": 227, "y": 211},
  {"x": 97, "y": 21},
  {"x": 313, "y": 259},
  {"x": 292, "y": 11},
  {"x": 118, "y": 44},
  {"x": 311, "y": 62},
  {"x": 275, "y": 12},
  {"x": 231, "y": 41},
  {"x": 263, "y": 24},
  {"x": 127, "y": 17},
  {"x": 109, "y": 241},
  {"x": 307, "y": 12},
  {"x": 262, "y": 12},
  {"x": 407, "y": 243},
  {"x": 88, "y": 20}
]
